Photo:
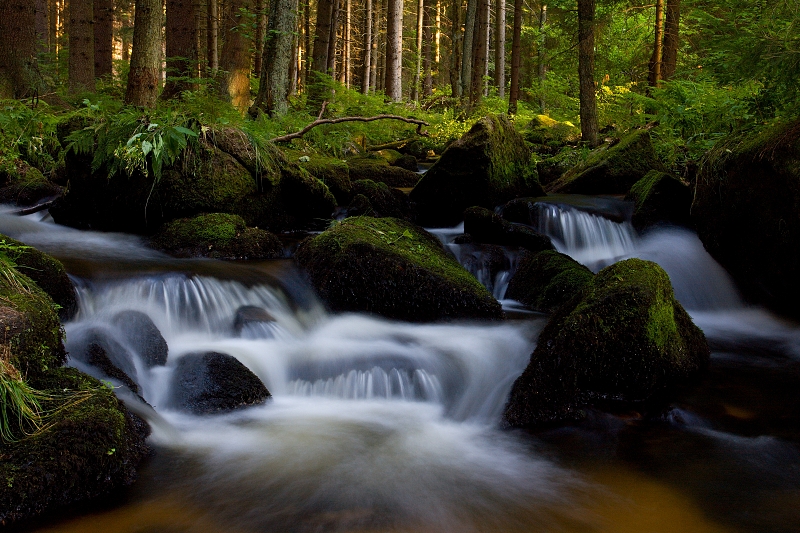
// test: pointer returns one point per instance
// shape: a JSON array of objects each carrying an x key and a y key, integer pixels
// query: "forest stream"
[{"x": 388, "y": 426}]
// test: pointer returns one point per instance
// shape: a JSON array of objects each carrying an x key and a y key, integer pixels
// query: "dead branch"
[{"x": 321, "y": 121}]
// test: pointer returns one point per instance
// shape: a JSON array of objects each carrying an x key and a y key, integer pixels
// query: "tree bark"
[
  {"x": 588, "y": 100},
  {"x": 348, "y": 49},
  {"x": 52, "y": 22},
  {"x": 182, "y": 53},
  {"x": 466, "y": 54},
  {"x": 333, "y": 38},
  {"x": 145, "y": 70},
  {"x": 541, "y": 54},
  {"x": 261, "y": 29},
  {"x": 366, "y": 73},
  {"x": 456, "y": 48},
  {"x": 481, "y": 55},
  {"x": 516, "y": 58},
  {"x": 318, "y": 88},
  {"x": 669, "y": 60},
  {"x": 42, "y": 33},
  {"x": 19, "y": 76},
  {"x": 212, "y": 46},
  {"x": 81, "y": 46},
  {"x": 274, "y": 85},
  {"x": 374, "y": 52},
  {"x": 394, "y": 50},
  {"x": 103, "y": 37},
  {"x": 427, "y": 37},
  {"x": 415, "y": 85},
  {"x": 234, "y": 60},
  {"x": 654, "y": 67},
  {"x": 500, "y": 48}
]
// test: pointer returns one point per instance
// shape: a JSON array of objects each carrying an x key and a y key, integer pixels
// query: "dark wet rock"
[
  {"x": 552, "y": 168},
  {"x": 546, "y": 280},
  {"x": 376, "y": 168},
  {"x": 487, "y": 227},
  {"x": 392, "y": 268},
  {"x": 217, "y": 235},
  {"x": 529, "y": 210},
  {"x": 143, "y": 336},
  {"x": 746, "y": 213},
  {"x": 99, "y": 348},
  {"x": 334, "y": 173},
  {"x": 383, "y": 201},
  {"x": 250, "y": 314},
  {"x": 97, "y": 356},
  {"x": 48, "y": 273},
  {"x": 212, "y": 382},
  {"x": 486, "y": 167},
  {"x": 611, "y": 169},
  {"x": 660, "y": 197},
  {"x": 26, "y": 185},
  {"x": 624, "y": 339}
]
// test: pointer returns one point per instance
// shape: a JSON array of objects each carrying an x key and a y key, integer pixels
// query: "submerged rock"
[
  {"x": 392, "y": 268},
  {"x": 249, "y": 315},
  {"x": 219, "y": 236},
  {"x": 611, "y": 169},
  {"x": 660, "y": 197},
  {"x": 547, "y": 280},
  {"x": 746, "y": 213},
  {"x": 625, "y": 339},
  {"x": 143, "y": 336},
  {"x": 487, "y": 227},
  {"x": 488, "y": 166},
  {"x": 212, "y": 382}
]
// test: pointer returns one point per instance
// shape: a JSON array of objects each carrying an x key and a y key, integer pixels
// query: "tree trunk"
[
  {"x": 487, "y": 44},
  {"x": 103, "y": 37},
  {"x": 500, "y": 48},
  {"x": 348, "y": 49},
  {"x": 366, "y": 72},
  {"x": 481, "y": 55},
  {"x": 394, "y": 50},
  {"x": 18, "y": 70},
  {"x": 654, "y": 67},
  {"x": 261, "y": 28},
  {"x": 466, "y": 55},
  {"x": 516, "y": 58},
  {"x": 456, "y": 48},
  {"x": 376, "y": 39},
  {"x": 181, "y": 36},
  {"x": 541, "y": 54},
  {"x": 212, "y": 50},
  {"x": 333, "y": 38},
  {"x": 52, "y": 22},
  {"x": 318, "y": 88},
  {"x": 145, "y": 70},
  {"x": 588, "y": 101},
  {"x": 427, "y": 37},
  {"x": 669, "y": 59},
  {"x": 81, "y": 46},
  {"x": 415, "y": 85},
  {"x": 234, "y": 60},
  {"x": 275, "y": 80},
  {"x": 42, "y": 33}
]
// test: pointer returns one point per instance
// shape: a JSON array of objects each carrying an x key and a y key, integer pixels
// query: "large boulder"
[
  {"x": 611, "y": 169},
  {"x": 212, "y": 382},
  {"x": 377, "y": 168},
  {"x": 488, "y": 166},
  {"x": 333, "y": 172},
  {"x": 392, "y": 268},
  {"x": 26, "y": 185},
  {"x": 746, "y": 213},
  {"x": 142, "y": 335},
  {"x": 660, "y": 197},
  {"x": 626, "y": 339},
  {"x": 216, "y": 235},
  {"x": 550, "y": 134},
  {"x": 547, "y": 280},
  {"x": 378, "y": 200},
  {"x": 106, "y": 356},
  {"x": 486, "y": 226}
]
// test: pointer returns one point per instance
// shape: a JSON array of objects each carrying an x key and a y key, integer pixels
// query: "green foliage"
[{"x": 28, "y": 134}]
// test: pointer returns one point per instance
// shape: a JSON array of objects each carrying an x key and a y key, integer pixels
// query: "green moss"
[
  {"x": 545, "y": 130},
  {"x": 546, "y": 280},
  {"x": 333, "y": 172}
]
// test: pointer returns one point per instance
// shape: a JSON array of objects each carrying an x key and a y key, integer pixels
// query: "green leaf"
[
  {"x": 146, "y": 147},
  {"x": 185, "y": 131}
]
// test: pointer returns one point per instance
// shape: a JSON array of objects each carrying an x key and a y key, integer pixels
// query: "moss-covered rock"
[
  {"x": 625, "y": 338},
  {"x": 92, "y": 447},
  {"x": 48, "y": 273},
  {"x": 487, "y": 227},
  {"x": 217, "y": 235},
  {"x": 334, "y": 173},
  {"x": 544, "y": 130},
  {"x": 26, "y": 185},
  {"x": 746, "y": 213},
  {"x": 488, "y": 166},
  {"x": 611, "y": 169},
  {"x": 547, "y": 280},
  {"x": 396, "y": 159},
  {"x": 382, "y": 201},
  {"x": 392, "y": 268},
  {"x": 552, "y": 168},
  {"x": 660, "y": 197},
  {"x": 376, "y": 168}
]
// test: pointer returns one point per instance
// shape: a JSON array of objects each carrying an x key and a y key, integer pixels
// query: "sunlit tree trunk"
[
  {"x": 669, "y": 59},
  {"x": 394, "y": 50},
  {"x": 415, "y": 83},
  {"x": 375, "y": 55},
  {"x": 181, "y": 40},
  {"x": 654, "y": 67},
  {"x": 347, "y": 60},
  {"x": 500, "y": 48},
  {"x": 541, "y": 54},
  {"x": 18, "y": 69},
  {"x": 588, "y": 100},
  {"x": 275, "y": 76},
  {"x": 234, "y": 60},
  {"x": 145, "y": 69},
  {"x": 366, "y": 72},
  {"x": 212, "y": 46}
]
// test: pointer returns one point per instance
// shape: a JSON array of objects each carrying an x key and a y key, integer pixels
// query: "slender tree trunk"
[
  {"x": 318, "y": 88},
  {"x": 669, "y": 60},
  {"x": 394, "y": 50},
  {"x": 18, "y": 70},
  {"x": 274, "y": 86},
  {"x": 294, "y": 65},
  {"x": 375, "y": 55},
  {"x": 261, "y": 28},
  {"x": 213, "y": 37},
  {"x": 181, "y": 37},
  {"x": 366, "y": 73},
  {"x": 81, "y": 46},
  {"x": 145, "y": 70},
  {"x": 427, "y": 37},
  {"x": 487, "y": 26},
  {"x": 654, "y": 70},
  {"x": 516, "y": 57},
  {"x": 456, "y": 48},
  {"x": 52, "y": 22},
  {"x": 542, "y": 57},
  {"x": 481, "y": 55},
  {"x": 42, "y": 33},
  {"x": 588, "y": 100},
  {"x": 437, "y": 56},
  {"x": 234, "y": 60},
  {"x": 333, "y": 38},
  {"x": 500, "y": 48},
  {"x": 415, "y": 84},
  {"x": 306, "y": 42},
  {"x": 103, "y": 37},
  {"x": 348, "y": 49},
  {"x": 466, "y": 55}
]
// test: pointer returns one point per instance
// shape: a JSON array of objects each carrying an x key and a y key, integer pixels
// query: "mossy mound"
[
  {"x": 547, "y": 280},
  {"x": 392, "y": 268},
  {"x": 334, "y": 173},
  {"x": 26, "y": 185},
  {"x": 552, "y": 134},
  {"x": 611, "y": 169},
  {"x": 746, "y": 213},
  {"x": 92, "y": 447},
  {"x": 487, "y": 227},
  {"x": 488, "y": 166},
  {"x": 378, "y": 200},
  {"x": 396, "y": 159},
  {"x": 217, "y": 235},
  {"x": 552, "y": 168},
  {"x": 48, "y": 273},
  {"x": 376, "y": 168},
  {"x": 625, "y": 338},
  {"x": 660, "y": 197}
]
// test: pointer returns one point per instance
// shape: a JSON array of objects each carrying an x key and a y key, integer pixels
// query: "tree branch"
[{"x": 321, "y": 121}]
